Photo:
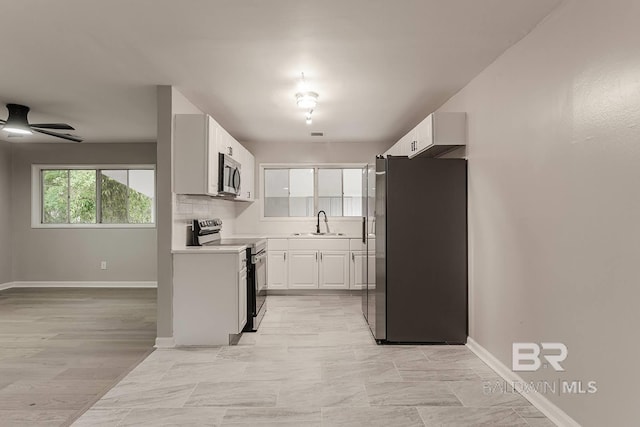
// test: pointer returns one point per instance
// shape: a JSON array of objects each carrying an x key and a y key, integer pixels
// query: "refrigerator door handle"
[{"x": 364, "y": 229}]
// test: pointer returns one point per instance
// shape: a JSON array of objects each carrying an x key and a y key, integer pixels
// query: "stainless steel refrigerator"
[{"x": 415, "y": 222}]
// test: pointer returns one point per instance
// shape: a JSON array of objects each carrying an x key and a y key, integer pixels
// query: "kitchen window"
[
  {"x": 87, "y": 196},
  {"x": 302, "y": 191}
]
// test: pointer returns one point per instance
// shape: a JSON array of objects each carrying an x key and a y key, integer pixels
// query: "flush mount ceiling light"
[{"x": 306, "y": 99}]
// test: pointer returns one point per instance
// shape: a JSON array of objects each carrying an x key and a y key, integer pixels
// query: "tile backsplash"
[{"x": 187, "y": 208}]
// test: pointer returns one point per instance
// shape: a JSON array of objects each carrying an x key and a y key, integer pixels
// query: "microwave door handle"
[{"x": 236, "y": 174}]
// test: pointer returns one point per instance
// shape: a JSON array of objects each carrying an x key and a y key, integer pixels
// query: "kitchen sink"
[{"x": 318, "y": 234}]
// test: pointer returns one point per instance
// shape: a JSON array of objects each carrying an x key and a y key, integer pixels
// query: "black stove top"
[
  {"x": 240, "y": 241},
  {"x": 255, "y": 244}
]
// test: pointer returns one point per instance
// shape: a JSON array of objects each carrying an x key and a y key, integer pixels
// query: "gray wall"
[
  {"x": 169, "y": 102},
  {"x": 75, "y": 254},
  {"x": 554, "y": 134},
  {"x": 5, "y": 212},
  {"x": 164, "y": 213}
]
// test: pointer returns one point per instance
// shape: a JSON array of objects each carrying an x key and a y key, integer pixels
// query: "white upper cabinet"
[
  {"x": 195, "y": 156},
  {"x": 247, "y": 183},
  {"x": 198, "y": 140},
  {"x": 228, "y": 145},
  {"x": 435, "y": 135},
  {"x": 212, "y": 153}
]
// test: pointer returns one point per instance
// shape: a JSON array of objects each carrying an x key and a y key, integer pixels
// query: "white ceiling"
[{"x": 379, "y": 65}]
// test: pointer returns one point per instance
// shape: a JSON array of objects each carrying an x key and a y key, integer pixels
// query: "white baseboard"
[
  {"x": 7, "y": 285},
  {"x": 89, "y": 284},
  {"x": 544, "y": 405},
  {"x": 165, "y": 342}
]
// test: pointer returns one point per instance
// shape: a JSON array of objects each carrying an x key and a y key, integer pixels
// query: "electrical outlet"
[{"x": 103, "y": 265}]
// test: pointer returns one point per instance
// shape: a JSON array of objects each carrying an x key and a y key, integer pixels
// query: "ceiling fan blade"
[
  {"x": 62, "y": 126},
  {"x": 59, "y": 135}
]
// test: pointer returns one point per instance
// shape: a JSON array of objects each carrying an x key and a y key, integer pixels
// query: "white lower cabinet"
[
  {"x": 357, "y": 270},
  {"x": 303, "y": 269},
  {"x": 334, "y": 270},
  {"x": 209, "y": 297},
  {"x": 308, "y": 264},
  {"x": 242, "y": 299},
  {"x": 277, "y": 270},
  {"x": 357, "y": 279}
]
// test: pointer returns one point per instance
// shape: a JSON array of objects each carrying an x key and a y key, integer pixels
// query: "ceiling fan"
[{"x": 18, "y": 125}]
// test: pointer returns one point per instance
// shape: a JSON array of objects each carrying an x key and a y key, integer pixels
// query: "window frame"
[
  {"x": 314, "y": 166},
  {"x": 37, "y": 189}
]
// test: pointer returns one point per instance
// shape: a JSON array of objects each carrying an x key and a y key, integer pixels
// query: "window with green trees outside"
[{"x": 97, "y": 196}]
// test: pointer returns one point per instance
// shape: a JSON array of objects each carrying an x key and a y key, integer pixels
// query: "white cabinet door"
[
  {"x": 224, "y": 143},
  {"x": 247, "y": 185},
  {"x": 242, "y": 299},
  {"x": 248, "y": 177},
  {"x": 212, "y": 154},
  {"x": 356, "y": 282},
  {"x": 303, "y": 269},
  {"x": 334, "y": 270},
  {"x": 407, "y": 142},
  {"x": 424, "y": 135},
  {"x": 277, "y": 270},
  {"x": 228, "y": 145},
  {"x": 191, "y": 162}
]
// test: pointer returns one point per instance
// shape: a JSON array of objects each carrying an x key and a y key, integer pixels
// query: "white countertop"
[
  {"x": 239, "y": 248},
  {"x": 291, "y": 236},
  {"x": 209, "y": 249},
  {"x": 286, "y": 236}
]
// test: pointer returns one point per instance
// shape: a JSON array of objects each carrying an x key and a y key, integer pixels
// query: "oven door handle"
[{"x": 258, "y": 257}]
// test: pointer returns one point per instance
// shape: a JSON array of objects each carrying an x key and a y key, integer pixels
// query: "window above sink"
[{"x": 301, "y": 190}]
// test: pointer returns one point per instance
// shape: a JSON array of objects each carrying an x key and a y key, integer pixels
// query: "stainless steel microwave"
[{"x": 229, "y": 175}]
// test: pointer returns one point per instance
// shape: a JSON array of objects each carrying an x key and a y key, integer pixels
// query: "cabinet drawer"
[
  {"x": 319, "y": 244},
  {"x": 356, "y": 245},
  {"x": 277, "y": 244}
]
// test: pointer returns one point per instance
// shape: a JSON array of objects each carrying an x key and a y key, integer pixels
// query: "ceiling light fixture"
[
  {"x": 306, "y": 99},
  {"x": 308, "y": 117},
  {"x": 17, "y": 129}
]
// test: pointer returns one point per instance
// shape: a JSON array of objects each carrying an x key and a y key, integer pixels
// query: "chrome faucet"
[{"x": 326, "y": 222}]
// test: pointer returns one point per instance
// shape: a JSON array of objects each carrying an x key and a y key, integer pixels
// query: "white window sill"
[
  {"x": 91, "y": 226},
  {"x": 311, "y": 218}
]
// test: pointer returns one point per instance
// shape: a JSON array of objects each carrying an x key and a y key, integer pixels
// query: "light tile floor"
[{"x": 313, "y": 363}]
